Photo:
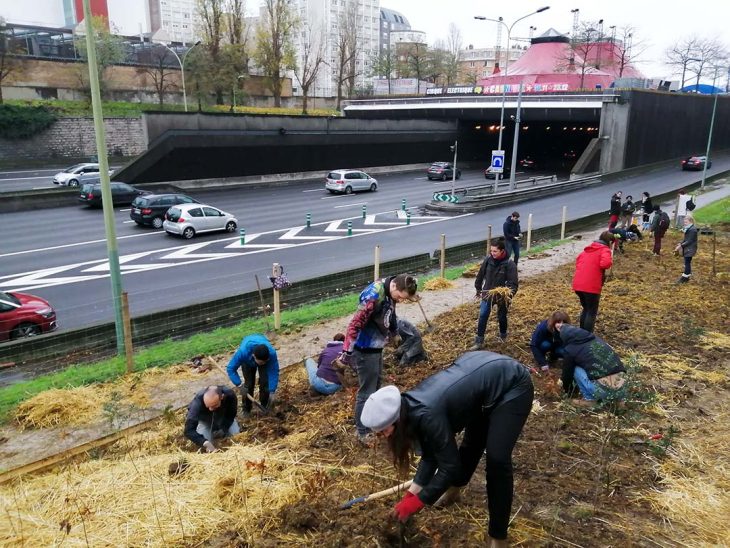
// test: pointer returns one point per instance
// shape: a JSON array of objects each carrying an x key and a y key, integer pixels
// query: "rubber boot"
[{"x": 478, "y": 343}]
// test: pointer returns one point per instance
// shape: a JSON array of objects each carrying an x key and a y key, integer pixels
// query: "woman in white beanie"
[{"x": 487, "y": 395}]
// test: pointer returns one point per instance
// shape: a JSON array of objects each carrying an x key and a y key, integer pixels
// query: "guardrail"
[{"x": 482, "y": 197}]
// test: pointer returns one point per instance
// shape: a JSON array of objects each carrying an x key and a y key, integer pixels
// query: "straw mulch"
[
  {"x": 88, "y": 404},
  {"x": 434, "y": 284},
  {"x": 651, "y": 473}
]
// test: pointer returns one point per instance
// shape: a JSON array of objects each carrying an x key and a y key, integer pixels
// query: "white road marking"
[
  {"x": 27, "y": 178},
  {"x": 350, "y": 205},
  {"x": 39, "y": 250},
  {"x": 31, "y": 171},
  {"x": 314, "y": 190}
]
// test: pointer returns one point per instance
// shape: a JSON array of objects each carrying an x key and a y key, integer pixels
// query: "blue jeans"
[
  {"x": 485, "y": 309},
  {"x": 204, "y": 430},
  {"x": 318, "y": 383},
  {"x": 592, "y": 390},
  {"x": 512, "y": 246},
  {"x": 557, "y": 351}
]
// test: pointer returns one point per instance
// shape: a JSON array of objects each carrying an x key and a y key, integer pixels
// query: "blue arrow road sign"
[{"x": 498, "y": 161}]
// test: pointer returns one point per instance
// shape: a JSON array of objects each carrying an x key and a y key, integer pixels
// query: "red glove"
[{"x": 409, "y": 505}]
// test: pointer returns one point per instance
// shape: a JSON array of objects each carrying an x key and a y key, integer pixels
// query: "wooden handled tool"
[{"x": 379, "y": 494}]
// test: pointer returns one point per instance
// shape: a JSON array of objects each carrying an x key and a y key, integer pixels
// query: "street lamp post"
[
  {"x": 181, "y": 62},
  {"x": 506, "y": 67},
  {"x": 709, "y": 142}
]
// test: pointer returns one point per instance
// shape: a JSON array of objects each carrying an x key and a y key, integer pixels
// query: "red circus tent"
[{"x": 550, "y": 64}]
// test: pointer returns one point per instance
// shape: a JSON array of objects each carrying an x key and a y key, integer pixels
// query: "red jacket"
[{"x": 590, "y": 266}]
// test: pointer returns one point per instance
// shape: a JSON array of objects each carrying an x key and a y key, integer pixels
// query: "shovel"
[
  {"x": 431, "y": 328},
  {"x": 379, "y": 494},
  {"x": 256, "y": 402}
]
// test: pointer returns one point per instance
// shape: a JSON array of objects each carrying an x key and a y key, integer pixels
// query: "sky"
[{"x": 657, "y": 24}]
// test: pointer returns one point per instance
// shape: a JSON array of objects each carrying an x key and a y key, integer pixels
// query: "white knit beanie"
[{"x": 381, "y": 409}]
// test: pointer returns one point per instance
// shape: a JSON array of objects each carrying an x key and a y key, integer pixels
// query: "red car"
[{"x": 24, "y": 315}]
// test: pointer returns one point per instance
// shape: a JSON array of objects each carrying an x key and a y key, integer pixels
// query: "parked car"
[
  {"x": 695, "y": 163},
  {"x": 122, "y": 194},
  {"x": 187, "y": 220},
  {"x": 489, "y": 174},
  {"x": 443, "y": 171},
  {"x": 24, "y": 315},
  {"x": 150, "y": 209},
  {"x": 348, "y": 181},
  {"x": 72, "y": 176}
]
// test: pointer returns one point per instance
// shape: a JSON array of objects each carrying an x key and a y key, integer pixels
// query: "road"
[
  {"x": 60, "y": 254},
  {"x": 30, "y": 179}
]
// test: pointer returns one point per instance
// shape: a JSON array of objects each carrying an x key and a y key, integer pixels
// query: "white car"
[
  {"x": 72, "y": 175},
  {"x": 187, "y": 220},
  {"x": 348, "y": 181}
]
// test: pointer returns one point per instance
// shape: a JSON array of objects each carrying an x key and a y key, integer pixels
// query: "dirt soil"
[{"x": 583, "y": 477}]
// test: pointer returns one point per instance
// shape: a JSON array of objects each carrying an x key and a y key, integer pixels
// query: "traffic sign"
[
  {"x": 497, "y": 164},
  {"x": 450, "y": 198}
]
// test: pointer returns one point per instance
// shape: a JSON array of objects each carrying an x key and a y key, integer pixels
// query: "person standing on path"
[
  {"x": 512, "y": 235},
  {"x": 647, "y": 209},
  {"x": 659, "y": 226},
  {"x": 590, "y": 274},
  {"x": 627, "y": 211},
  {"x": 497, "y": 270},
  {"x": 687, "y": 247},
  {"x": 681, "y": 210},
  {"x": 615, "y": 210},
  {"x": 255, "y": 354},
  {"x": 369, "y": 330},
  {"x": 488, "y": 396}
]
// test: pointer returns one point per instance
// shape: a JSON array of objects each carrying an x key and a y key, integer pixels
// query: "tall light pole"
[
  {"x": 506, "y": 67},
  {"x": 709, "y": 141},
  {"x": 181, "y": 62}
]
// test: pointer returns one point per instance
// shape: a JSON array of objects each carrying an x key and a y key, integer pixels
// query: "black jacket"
[
  {"x": 615, "y": 206},
  {"x": 511, "y": 229},
  {"x": 689, "y": 243},
  {"x": 582, "y": 348},
  {"x": 220, "y": 419},
  {"x": 497, "y": 274},
  {"x": 647, "y": 206},
  {"x": 440, "y": 407},
  {"x": 628, "y": 207}
]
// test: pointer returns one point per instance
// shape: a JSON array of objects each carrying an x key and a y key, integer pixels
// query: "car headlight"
[{"x": 45, "y": 312}]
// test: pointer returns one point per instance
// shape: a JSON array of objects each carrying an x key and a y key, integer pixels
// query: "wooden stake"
[
  {"x": 562, "y": 223},
  {"x": 127, "y": 324},
  {"x": 376, "y": 271},
  {"x": 489, "y": 237},
  {"x": 529, "y": 232},
  {"x": 276, "y": 271},
  {"x": 443, "y": 255}
]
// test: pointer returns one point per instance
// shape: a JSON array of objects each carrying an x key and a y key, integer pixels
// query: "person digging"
[
  {"x": 211, "y": 415},
  {"x": 256, "y": 354},
  {"x": 489, "y": 397}
]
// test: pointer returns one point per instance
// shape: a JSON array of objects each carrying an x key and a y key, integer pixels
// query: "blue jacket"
[
  {"x": 540, "y": 336},
  {"x": 244, "y": 358}
]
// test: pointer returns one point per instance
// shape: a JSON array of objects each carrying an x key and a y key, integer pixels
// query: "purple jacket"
[{"x": 326, "y": 357}]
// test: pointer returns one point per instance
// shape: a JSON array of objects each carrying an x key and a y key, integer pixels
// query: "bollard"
[
  {"x": 529, "y": 232},
  {"x": 408, "y": 217},
  {"x": 403, "y": 204},
  {"x": 242, "y": 232},
  {"x": 364, "y": 211},
  {"x": 309, "y": 220},
  {"x": 349, "y": 228}
]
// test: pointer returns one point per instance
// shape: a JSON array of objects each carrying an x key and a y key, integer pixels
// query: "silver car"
[
  {"x": 72, "y": 175},
  {"x": 348, "y": 181},
  {"x": 187, "y": 220}
]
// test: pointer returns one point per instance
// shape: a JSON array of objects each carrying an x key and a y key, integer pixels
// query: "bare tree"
[
  {"x": 160, "y": 72},
  {"x": 627, "y": 49},
  {"x": 311, "y": 59},
  {"x": 708, "y": 53},
  {"x": 454, "y": 45},
  {"x": 383, "y": 66},
  {"x": 416, "y": 61},
  {"x": 438, "y": 64},
  {"x": 681, "y": 54},
  {"x": 346, "y": 50},
  {"x": 584, "y": 46},
  {"x": 109, "y": 51},
  {"x": 235, "y": 52},
  {"x": 210, "y": 14},
  {"x": 274, "y": 51}
]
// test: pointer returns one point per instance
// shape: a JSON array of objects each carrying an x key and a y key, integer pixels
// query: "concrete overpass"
[{"x": 607, "y": 131}]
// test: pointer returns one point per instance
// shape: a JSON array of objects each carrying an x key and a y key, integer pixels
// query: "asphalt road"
[
  {"x": 30, "y": 179},
  {"x": 60, "y": 254}
]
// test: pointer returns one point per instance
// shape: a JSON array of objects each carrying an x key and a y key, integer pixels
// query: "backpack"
[
  {"x": 663, "y": 222},
  {"x": 690, "y": 205}
]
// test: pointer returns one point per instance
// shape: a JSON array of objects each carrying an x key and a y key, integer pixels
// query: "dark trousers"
[
  {"x": 589, "y": 302},
  {"x": 688, "y": 266},
  {"x": 249, "y": 382},
  {"x": 513, "y": 246},
  {"x": 497, "y": 431},
  {"x": 657, "y": 243}
]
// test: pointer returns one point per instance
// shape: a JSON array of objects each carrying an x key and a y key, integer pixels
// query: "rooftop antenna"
[
  {"x": 498, "y": 48},
  {"x": 576, "y": 14}
]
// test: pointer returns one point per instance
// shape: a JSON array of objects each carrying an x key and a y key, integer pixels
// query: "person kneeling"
[
  {"x": 592, "y": 364},
  {"x": 211, "y": 415},
  {"x": 545, "y": 343},
  {"x": 324, "y": 377}
]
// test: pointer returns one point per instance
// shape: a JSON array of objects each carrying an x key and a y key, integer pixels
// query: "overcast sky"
[{"x": 658, "y": 24}]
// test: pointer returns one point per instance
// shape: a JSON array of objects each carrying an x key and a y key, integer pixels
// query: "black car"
[
  {"x": 122, "y": 194},
  {"x": 695, "y": 163},
  {"x": 443, "y": 171},
  {"x": 150, "y": 209}
]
